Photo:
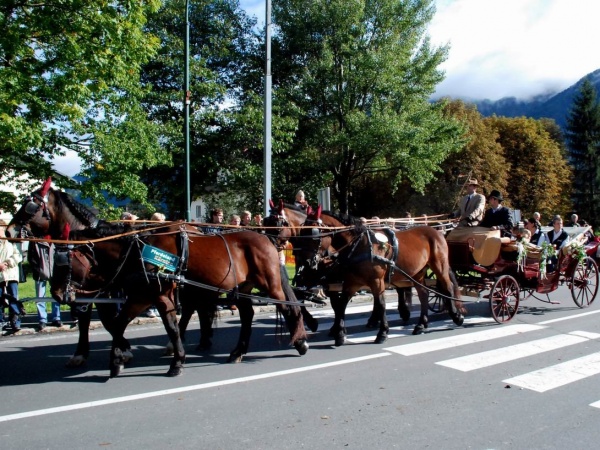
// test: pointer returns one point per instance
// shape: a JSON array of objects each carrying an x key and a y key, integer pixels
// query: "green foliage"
[{"x": 583, "y": 137}]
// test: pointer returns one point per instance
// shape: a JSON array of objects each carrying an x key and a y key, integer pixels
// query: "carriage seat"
[{"x": 484, "y": 243}]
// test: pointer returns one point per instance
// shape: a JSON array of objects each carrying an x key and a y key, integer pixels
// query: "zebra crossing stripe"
[
  {"x": 511, "y": 353},
  {"x": 418, "y": 348},
  {"x": 595, "y": 404},
  {"x": 555, "y": 376}
]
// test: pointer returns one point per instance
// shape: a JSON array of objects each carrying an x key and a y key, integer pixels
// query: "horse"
[
  {"x": 355, "y": 256},
  {"x": 46, "y": 212},
  {"x": 237, "y": 261},
  {"x": 285, "y": 224}
]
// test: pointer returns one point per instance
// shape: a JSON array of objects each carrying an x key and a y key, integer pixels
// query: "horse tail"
[{"x": 456, "y": 292}]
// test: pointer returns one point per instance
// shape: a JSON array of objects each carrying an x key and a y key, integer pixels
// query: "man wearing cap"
[
  {"x": 498, "y": 217},
  {"x": 471, "y": 206}
]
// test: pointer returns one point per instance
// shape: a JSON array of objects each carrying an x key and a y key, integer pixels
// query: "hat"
[
  {"x": 473, "y": 182},
  {"x": 496, "y": 194}
]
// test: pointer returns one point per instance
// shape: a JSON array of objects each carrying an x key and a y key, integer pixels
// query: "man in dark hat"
[
  {"x": 471, "y": 206},
  {"x": 498, "y": 217}
]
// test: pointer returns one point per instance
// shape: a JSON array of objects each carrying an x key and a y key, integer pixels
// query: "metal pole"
[
  {"x": 186, "y": 108},
  {"x": 267, "y": 125}
]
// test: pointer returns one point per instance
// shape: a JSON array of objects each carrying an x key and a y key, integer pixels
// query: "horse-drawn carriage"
[{"x": 507, "y": 271}]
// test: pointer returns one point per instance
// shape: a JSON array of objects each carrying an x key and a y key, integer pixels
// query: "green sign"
[{"x": 160, "y": 258}]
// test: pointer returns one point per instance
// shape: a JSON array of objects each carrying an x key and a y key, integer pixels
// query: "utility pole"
[
  {"x": 186, "y": 109},
  {"x": 267, "y": 124}
]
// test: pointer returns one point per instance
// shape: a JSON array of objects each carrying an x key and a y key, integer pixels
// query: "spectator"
[
  {"x": 498, "y": 217},
  {"x": 216, "y": 218},
  {"x": 300, "y": 201},
  {"x": 246, "y": 219},
  {"x": 235, "y": 220},
  {"x": 10, "y": 257},
  {"x": 41, "y": 260},
  {"x": 410, "y": 222},
  {"x": 471, "y": 207},
  {"x": 537, "y": 216},
  {"x": 574, "y": 221},
  {"x": 558, "y": 237},
  {"x": 258, "y": 220},
  {"x": 535, "y": 228},
  {"x": 158, "y": 217},
  {"x": 128, "y": 216}
]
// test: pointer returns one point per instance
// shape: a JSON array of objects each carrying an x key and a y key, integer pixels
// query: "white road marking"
[
  {"x": 555, "y": 376},
  {"x": 511, "y": 353},
  {"x": 595, "y": 404},
  {"x": 576, "y": 316},
  {"x": 418, "y": 348},
  {"x": 196, "y": 387}
]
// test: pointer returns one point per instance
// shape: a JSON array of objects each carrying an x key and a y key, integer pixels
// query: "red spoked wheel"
[
  {"x": 504, "y": 298},
  {"x": 584, "y": 282}
]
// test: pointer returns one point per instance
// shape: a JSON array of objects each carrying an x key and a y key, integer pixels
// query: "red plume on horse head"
[
  {"x": 46, "y": 187},
  {"x": 65, "y": 232},
  {"x": 314, "y": 214}
]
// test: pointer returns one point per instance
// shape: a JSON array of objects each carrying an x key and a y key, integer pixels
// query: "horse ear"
[
  {"x": 309, "y": 210},
  {"x": 46, "y": 187},
  {"x": 271, "y": 204},
  {"x": 66, "y": 231},
  {"x": 319, "y": 210},
  {"x": 281, "y": 206}
]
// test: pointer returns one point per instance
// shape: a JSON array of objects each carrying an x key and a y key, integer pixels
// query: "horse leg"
[
  {"x": 294, "y": 318},
  {"x": 207, "y": 312},
  {"x": 309, "y": 320},
  {"x": 82, "y": 351},
  {"x": 339, "y": 301},
  {"x": 246, "y": 312},
  {"x": 404, "y": 302},
  {"x": 378, "y": 291},
  {"x": 107, "y": 313},
  {"x": 168, "y": 313},
  {"x": 423, "y": 318}
]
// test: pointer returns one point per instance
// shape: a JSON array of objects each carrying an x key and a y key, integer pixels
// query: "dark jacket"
[
  {"x": 502, "y": 219},
  {"x": 559, "y": 240}
]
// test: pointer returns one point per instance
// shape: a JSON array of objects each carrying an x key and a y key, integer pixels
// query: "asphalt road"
[{"x": 532, "y": 383}]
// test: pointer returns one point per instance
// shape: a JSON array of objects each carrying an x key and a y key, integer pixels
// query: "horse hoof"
[
  {"x": 332, "y": 332},
  {"x": 405, "y": 317},
  {"x": 175, "y": 371},
  {"x": 204, "y": 346},
  {"x": 301, "y": 346},
  {"x": 127, "y": 355},
  {"x": 115, "y": 371},
  {"x": 341, "y": 340},
  {"x": 76, "y": 361},
  {"x": 419, "y": 329},
  {"x": 235, "y": 359},
  {"x": 459, "y": 320},
  {"x": 372, "y": 324},
  {"x": 380, "y": 339}
]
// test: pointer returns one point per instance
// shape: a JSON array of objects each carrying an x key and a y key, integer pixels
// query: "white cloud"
[{"x": 515, "y": 47}]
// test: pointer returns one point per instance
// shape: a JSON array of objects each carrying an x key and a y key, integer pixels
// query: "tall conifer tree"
[{"x": 583, "y": 138}]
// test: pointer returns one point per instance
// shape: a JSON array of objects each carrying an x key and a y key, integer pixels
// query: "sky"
[
  {"x": 498, "y": 48},
  {"x": 509, "y": 48}
]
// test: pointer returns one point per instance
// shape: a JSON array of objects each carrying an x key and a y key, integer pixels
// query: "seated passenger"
[
  {"x": 498, "y": 217},
  {"x": 471, "y": 206},
  {"x": 537, "y": 235},
  {"x": 557, "y": 236}
]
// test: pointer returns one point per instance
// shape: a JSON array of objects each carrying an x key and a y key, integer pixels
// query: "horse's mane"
[
  {"x": 79, "y": 213},
  {"x": 103, "y": 229},
  {"x": 345, "y": 219}
]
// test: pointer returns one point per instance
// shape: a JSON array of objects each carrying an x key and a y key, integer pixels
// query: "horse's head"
[
  {"x": 277, "y": 225},
  {"x": 46, "y": 211},
  {"x": 33, "y": 218}
]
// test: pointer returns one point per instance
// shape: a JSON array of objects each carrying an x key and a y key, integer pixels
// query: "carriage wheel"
[
  {"x": 584, "y": 282},
  {"x": 436, "y": 301},
  {"x": 504, "y": 298}
]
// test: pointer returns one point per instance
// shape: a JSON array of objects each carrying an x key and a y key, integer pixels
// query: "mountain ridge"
[{"x": 554, "y": 106}]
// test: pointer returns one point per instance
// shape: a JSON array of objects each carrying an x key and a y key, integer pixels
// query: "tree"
[
  {"x": 583, "y": 138},
  {"x": 359, "y": 76},
  {"x": 68, "y": 75},
  {"x": 539, "y": 175}
]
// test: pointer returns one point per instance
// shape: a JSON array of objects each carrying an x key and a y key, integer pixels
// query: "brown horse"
[
  {"x": 285, "y": 224},
  {"x": 237, "y": 261},
  {"x": 45, "y": 213},
  {"x": 356, "y": 256}
]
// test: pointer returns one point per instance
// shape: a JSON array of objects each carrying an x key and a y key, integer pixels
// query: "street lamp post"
[
  {"x": 267, "y": 124},
  {"x": 186, "y": 109}
]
